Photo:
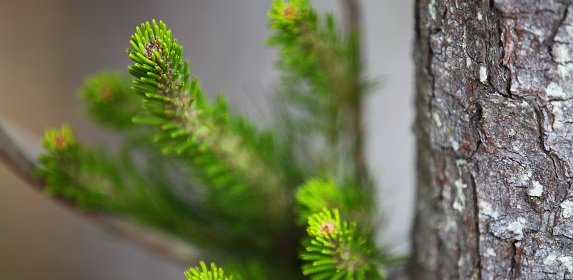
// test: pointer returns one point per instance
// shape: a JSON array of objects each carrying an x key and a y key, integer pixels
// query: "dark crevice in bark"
[
  {"x": 506, "y": 54},
  {"x": 517, "y": 252},
  {"x": 539, "y": 116},
  {"x": 478, "y": 146},
  {"x": 430, "y": 73},
  {"x": 476, "y": 119},
  {"x": 559, "y": 99},
  {"x": 477, "y": 273}
]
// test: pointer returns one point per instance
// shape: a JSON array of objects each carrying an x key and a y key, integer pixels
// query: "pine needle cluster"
[{"x": 241, "y": 194}]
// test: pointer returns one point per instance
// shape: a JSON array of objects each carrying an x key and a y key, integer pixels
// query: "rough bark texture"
[{"x": 495, "y": 140}]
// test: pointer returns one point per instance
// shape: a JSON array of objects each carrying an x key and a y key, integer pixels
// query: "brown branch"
[
  {"x": 23, "y": 164},
  {"x": 352, "y": 23},
  {"x": 351, "y": 10},
  {"x": 14, "y": 157}
]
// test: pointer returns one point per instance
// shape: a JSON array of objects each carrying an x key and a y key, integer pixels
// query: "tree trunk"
[{"x": 495, "y": 140}]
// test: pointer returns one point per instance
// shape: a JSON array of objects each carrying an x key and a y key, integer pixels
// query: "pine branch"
[
  {"x": 238, "y": 201},
  {"x": 231, "y": 165},
  {"x": 323, "y": 77},
  {"x": 13, "y": 155}
]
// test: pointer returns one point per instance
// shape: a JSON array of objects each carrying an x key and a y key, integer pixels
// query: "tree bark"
[{"x": 495, "y": 134}]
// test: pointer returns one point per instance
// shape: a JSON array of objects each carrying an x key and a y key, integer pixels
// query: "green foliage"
[
  {"x": 288, "y": 16},
  {"x": 249, "y": 270},
  {"x": 162, "y": 76},
  {"x": 109, "y": 99},
  {"x": 323, "y": 85},
  {"x": 96, "y": 181},
  {"x": 63, "y": 149},
  {"x": 320, "y": 193},
  {"x": 189, "y": 167},
  {"x": 71, "y": 171},
  {"x": 228, "y": 156},
  {"x": 337, "y": 249},
  {"x": 61, "y": 141},
  {"x": 317, "y": 194},
  {"x": 206, "y": 273}
]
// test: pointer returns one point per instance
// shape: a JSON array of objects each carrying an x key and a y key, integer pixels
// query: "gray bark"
[{"x": 495, "y": 134}]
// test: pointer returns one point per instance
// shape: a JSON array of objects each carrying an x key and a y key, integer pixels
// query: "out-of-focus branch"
[
  {"x": 352, "y": 23},
  {"x": 14, "y": 155},
  {"x": 352, "y": 19}
]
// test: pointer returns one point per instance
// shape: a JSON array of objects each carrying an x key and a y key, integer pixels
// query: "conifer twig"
[{"x": 13, "y": 155}]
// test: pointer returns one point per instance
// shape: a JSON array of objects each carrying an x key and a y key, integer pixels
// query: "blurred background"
[{"x": 48, "y": 47}]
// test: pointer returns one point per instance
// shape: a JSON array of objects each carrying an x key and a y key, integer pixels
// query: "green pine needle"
[{"x": 202, "y": 272}]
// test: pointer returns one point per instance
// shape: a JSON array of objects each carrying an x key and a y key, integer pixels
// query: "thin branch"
[
  {"x": 352, "y": 17},
  {"x": 14, "y": 157},
  {"x": 353, "y": 25}
]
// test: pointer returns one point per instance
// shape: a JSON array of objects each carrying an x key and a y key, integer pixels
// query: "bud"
[
  {"x": 289, "y": 12},
  {"x": 285, "y": 15},
  {"x": 59, "y": 139},
  {"x": 328, "y": 228},
  {"x": 324, "y": 223}
]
